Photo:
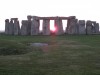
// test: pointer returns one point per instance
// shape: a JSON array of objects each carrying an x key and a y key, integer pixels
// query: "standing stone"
[
  {"x": 7, "y": 26},
  {"x": 29, "y": 27},
  {"x": 24, "y": 27},
  {"x": 11, "y": 28},
  {"x": 72, "y": 26},
  {"x": 59, "y": 27},
  {"x": 35, "y": 26},
  {"x": 29, "y": 24},
  {"x": 97, "y": 28},
  {"x": 89, "y": 27},
  {"x": 46, "y": 27},
  {"x": 16, "y": 26},
  {"x": 68, "y": 26},
  {"x": 82, "y": 29}
]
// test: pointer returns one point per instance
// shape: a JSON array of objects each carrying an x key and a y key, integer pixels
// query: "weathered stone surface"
[
  {"x": 72, "y": 26},
  {"x": 29, "y": 27},
  {"x": 7, "y": 26},
  {"x": 35, "y": 26},
  {"x": 68, "y": 26},
  {"x": 24, "y": 27},
  {"x": 82, "y": 29},
  {"x": 16, "y": 26},
  {"x": 97, "y": 28},
  {"x": 29, "y": 17},
  {"x": 11, "y": 27},
  {"x": 59, "y": 27},
  {"x": 46, "y": 27},
  {"x": 89, "y": 27}
]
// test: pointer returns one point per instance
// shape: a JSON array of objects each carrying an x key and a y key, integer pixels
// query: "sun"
[{"x": 53, "y": 29}]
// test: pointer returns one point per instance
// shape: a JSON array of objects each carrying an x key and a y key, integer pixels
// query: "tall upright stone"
[
  {"x": 7, "y": 26},
  {"x": 46, "y": 27},
  {"x": 71, "y": 23},
  {"x": 11, "y": 27},
  {"x": 24, "y": 27},
  {"x": 82, "y": 29},
  {"x": 16, "y": 26},
  {"x": 97, "y": 28},
  {"x": 29, "y": 17},
  {"x": 68, "y": 26},
  {"x": 35, "y": 25},
  {"x": 59, "y": 26},
  {"x": 72, "y": 26},
  {"x": 89, "y": 27},
  {"x": 61, "y": 31}
]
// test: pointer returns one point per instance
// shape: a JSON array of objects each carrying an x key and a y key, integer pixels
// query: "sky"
[{"x": 82, "y": 9}]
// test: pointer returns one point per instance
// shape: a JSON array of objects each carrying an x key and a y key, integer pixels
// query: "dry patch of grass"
[{"x": 64, "y": 43}]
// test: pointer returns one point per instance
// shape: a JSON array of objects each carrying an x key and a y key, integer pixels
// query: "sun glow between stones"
[{"x": 53, "y": 28}]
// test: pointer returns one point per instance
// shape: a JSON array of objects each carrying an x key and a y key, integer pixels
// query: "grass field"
[{"x": 65, "y": 55}]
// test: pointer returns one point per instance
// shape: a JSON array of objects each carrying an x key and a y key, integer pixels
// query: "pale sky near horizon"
[{"x": 82, "y": 9}]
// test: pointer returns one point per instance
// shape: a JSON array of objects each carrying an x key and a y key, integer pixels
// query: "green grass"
[{"x": 65, "y": 55}]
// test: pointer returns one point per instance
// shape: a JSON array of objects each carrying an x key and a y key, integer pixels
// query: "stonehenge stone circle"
[{"x": 32, "y": 24}]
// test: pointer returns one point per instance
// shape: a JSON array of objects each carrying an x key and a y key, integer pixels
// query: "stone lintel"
[
  {"x": 53, "y": 18},
  {"x": 15, "y": 19}
]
